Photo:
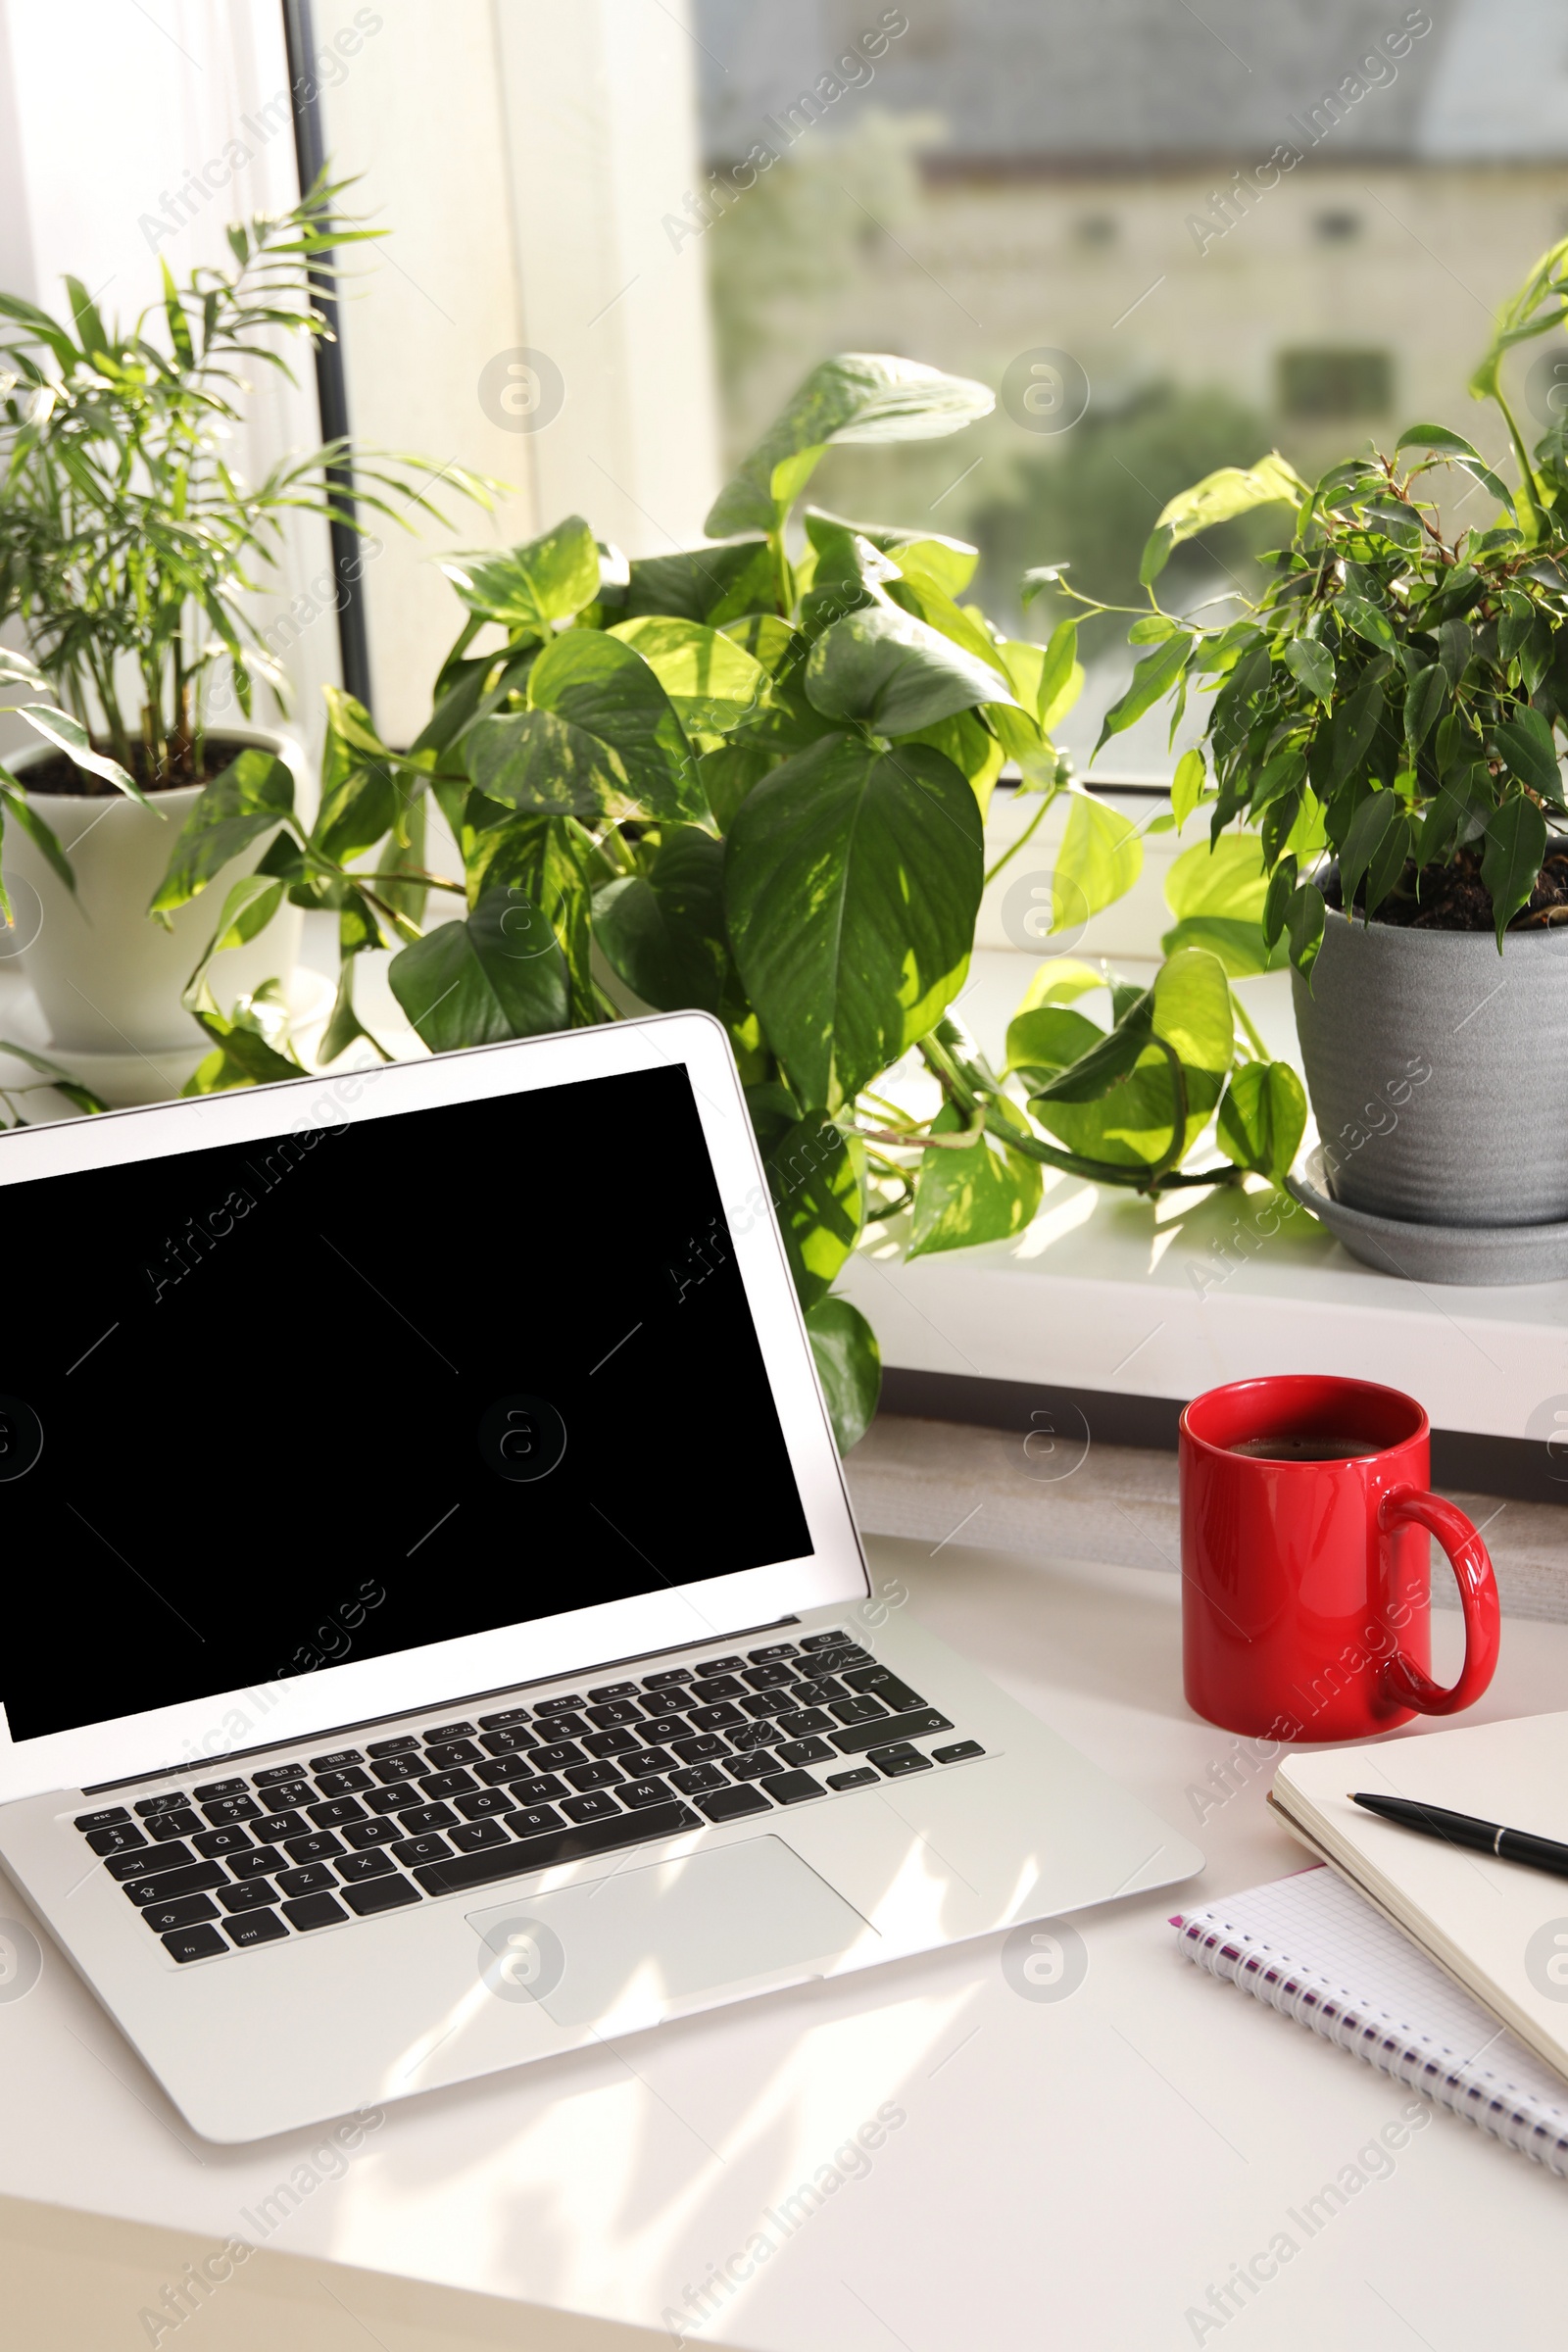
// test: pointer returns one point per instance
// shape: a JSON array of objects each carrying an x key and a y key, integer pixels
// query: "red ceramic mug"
[{"x": 1306, "y": 1608}]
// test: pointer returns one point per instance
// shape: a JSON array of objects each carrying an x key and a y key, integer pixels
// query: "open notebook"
[{"x": 1311, "y": 1948}]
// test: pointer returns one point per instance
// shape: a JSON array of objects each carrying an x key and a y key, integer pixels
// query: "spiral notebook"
[{"x": 1313, "y": 1949}]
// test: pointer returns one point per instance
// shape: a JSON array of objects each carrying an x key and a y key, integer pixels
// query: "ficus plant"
[
  {"x": 1386, "y": 717},
  {"x": 752, "y": 778}
]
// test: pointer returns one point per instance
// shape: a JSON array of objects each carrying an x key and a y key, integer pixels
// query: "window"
[{"x": 1316, "y": 384}]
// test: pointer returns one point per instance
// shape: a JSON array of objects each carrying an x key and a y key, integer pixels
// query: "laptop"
[{"x": 448, "y": 1641}]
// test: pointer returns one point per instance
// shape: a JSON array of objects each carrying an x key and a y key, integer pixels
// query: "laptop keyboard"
[{"x": 256, "y": 1858}]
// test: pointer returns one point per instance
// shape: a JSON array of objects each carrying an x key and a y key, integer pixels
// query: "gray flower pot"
[{"x": 1438, "y": 1071}]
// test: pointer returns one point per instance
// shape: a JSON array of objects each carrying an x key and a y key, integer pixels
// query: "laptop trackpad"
[{"x": 640, "y": 1942}]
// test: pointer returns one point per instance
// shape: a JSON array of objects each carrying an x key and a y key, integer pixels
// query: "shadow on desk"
[{"x": 75, "y": 2282}]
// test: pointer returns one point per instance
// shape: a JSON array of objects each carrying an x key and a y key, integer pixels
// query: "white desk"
[{"x": 1071, "y": 2173}]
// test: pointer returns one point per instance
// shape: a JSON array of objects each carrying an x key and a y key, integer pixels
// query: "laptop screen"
[{"x": 279, "y": 1404}]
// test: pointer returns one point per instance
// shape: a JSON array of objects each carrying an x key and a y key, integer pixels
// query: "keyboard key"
[
  {"x": 272, "y": 1773},
  {"x": 700, "y": 1746},
  {"x": 614, "y": 1711},
  {"x": 559, "y": 1706},
  {"x": 194, "y": 1943},
  {"x": 420, "y": 1818},
  {"x": 388, "y": 1800},
  {"x": 339, "y": 1759},
  {"x": 217, "y": 1789},
  {"x": 715, "y": 1718},
  {"x": 708, "y": 1667},
  {"x": 122, "y": 1839},
  {"x": 837, "y": 1641},
  {"x": 257, "y": 1863},
  {"x": 448, "y": 1730},
  {"x": 337, "y": 1810},
  {"x": 354, "y": 1867},
  {"x": 382, "y": 1894},
  {"x": 344, "y": 1781},
  {"x": 637, "y": 1793},
  {"x": 573, "y": 1841},
  {"x": 709, "y": 1686},
  {"x": 765, "y": 1678},
  {"x": 806, "y": 1751},
  {"x": 457, "y": 1783},
  {"x": 283, "y": 1796},
  {"x": 509, "y": 1742},
  {"x": 652, "y": 1759},
  {"x": 751, "y": 1735},
  {"x": 405, "y": 1767},
  {"x": 774, "y": 1649},
  {"x": 556, "y": 1757},
  {"x": 420, "y": 1849},
  {"x": 595, "y": 1776},
  {"x": 659, "y": 1728},
  {"x": 273, "y": 1826},
  {"x": 758, "y": 1767},
  {"x": 109, "y": 1817},
  {"x": 834, "y": 1661},
  {"x": 145, "y": 1865},
  {"x": 765, "y": 1702},
  {"x": 149, "y": 1807},
  {"x": 892, "y": 1728},
  {"x": 799, "y": 1723},
  {"x": 180, "y": 1824},
  {"x": 254, "y": 1927},
  {"x": 610, "y": 1743},
  {"x": 541, "y": 1791},
  {"x": 897, "y": 1760},
  {"x": 668, "y": 1678},
  {"x": 534, "y": 1820},
  {"x": 819, "y": 1690},
  {"x": 860, "y": 1778},
  {"x": 314, "y": 1911},
  {"x": 391, "y": 1748},
  {"x": 254, "y": 1894},
  {"x": 563, "y": 1727},
  {"x": 960, "y": 1752},
  {"x": 694, "y": 1777},
  {"x": 794, "y": 1787},
  {"x": 315, "y": 1878},
  {"x": 675, "y": 1702},
  {"x": 612, "y": 1691},
  {"x": 505, "y": 1721},
  {"x": 318, "y": 1848},
  {"x": 365, "y": 1835},
  {"x": 858, "y": 1710},
  {"x": 498, "y": 1772},
  {"x": 484, "y": 1801},
  {"x": 596, "y": 1806},
  {"x": 161, "y": 1917},
  {"x": 445, "y": 1753},
  {"x": 885, "y": 1685},
  {"x": 212, "y": 1842},
  {"x": 727, "y": 1804},
  {"x": 169, "y": 1885},
  {"x": 472, "y": 1836}
]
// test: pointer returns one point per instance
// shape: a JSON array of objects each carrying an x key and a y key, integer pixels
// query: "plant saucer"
[{"x": 1480, "y": 1255}]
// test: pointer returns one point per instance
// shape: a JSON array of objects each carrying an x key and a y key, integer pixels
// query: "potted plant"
[
  {"x": 129, "y": 549},
  {"x": 1386, "y": 720},
  {"x": 752, "y": 778}
]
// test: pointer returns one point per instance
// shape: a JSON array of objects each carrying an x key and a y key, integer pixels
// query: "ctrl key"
[
  {"x": 254, "y": 1927},
  {"x": 196, "y": 1944}
]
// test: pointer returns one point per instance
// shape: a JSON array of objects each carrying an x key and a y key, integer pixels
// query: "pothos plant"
[
  {"x": 752, "y": 778},
  {"x": 1392, "y": 702}
]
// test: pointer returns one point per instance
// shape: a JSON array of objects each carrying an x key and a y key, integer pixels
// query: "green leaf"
[
  {"x": 549, "y": 579},
  {"x": 816, "y": 1179},
  {"x": 1281, "y": 885},
  {"x": 1516, "y": 844},
  {"x": 1240, "y": 946},
  {"x": 84, "y": 1097},
  {"x": 1192, "y": 1011},
  {"x": 1152, "y": 629},
  {"x": 1227, "y": 880},
  {"x": 1156, "y": 674},
  {"x": 711, "y": 584},
  {"x": 60, "y": 729},
  {"x": 1232, "y": 490},
  {"x": 1437, "y": 438},
  {"x": 251, "y": 798},
  {"x": 500, "y": 974},
  {"x": 1263, "y": 1117},
  {"x": 1367, "y": 619},
  {"x": 712, "y": 682},
  {"x": 848, "y": 1365},
  {"x": 1374, "y": 824},
  {"x": 600, "y": 738},
  {"x": 1060, "y": 980},
  {"x": 985, "y": 1194},
  {"x": 1313, "y": 665},
  {"x": 1050, "y": 1038},
  {"x": 1100, "y": 860},
  {"x": 1061, "y": 676},
  {"x": 894, "y": 673},
  {"x": 1424, "y": 698},
  {"x": 15, "y": 802},
  {"x": 662, "y": 933},
  {"x": 1526, "y": 744},
  {"x": 1119, "y": 1104},
  {"x": 857, "y": 397},
  {"x": 1304, "y": 918},
  {"x": 1186, "y": 787},
  {"x": 247, "y": 910},
  {"x": 852, "y": 886}
]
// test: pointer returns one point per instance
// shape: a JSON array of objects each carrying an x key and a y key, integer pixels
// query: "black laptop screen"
[{"x": 328, "y": 1397}]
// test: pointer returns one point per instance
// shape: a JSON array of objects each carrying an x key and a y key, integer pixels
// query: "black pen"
[{"x": 1463, "y": 1828}]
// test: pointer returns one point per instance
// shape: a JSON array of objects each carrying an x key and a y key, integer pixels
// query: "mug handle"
[{"x": 1403, "y": 1681}]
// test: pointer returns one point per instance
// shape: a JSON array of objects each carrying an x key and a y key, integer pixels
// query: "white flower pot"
[{"x": 108, "y": 978}]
